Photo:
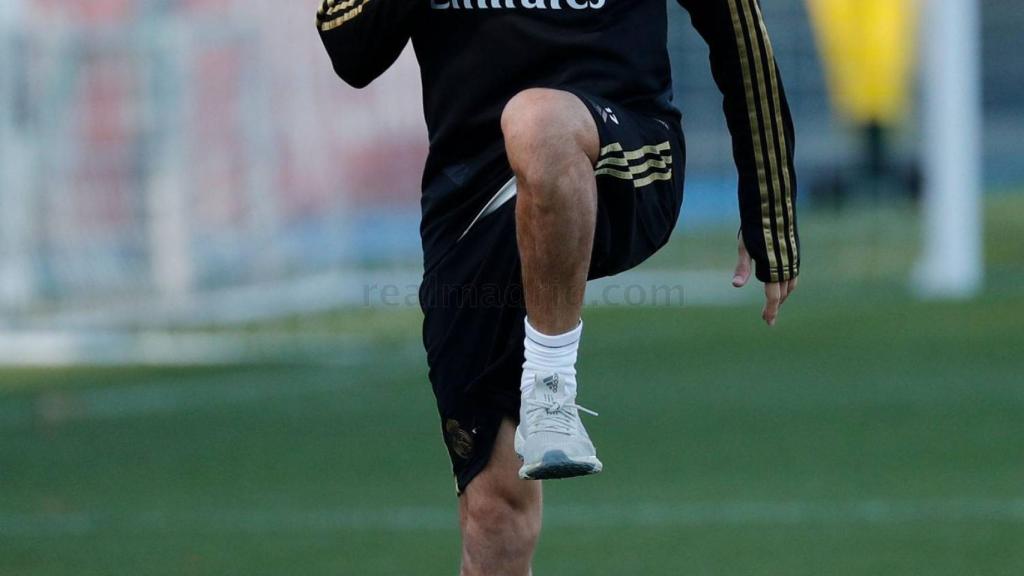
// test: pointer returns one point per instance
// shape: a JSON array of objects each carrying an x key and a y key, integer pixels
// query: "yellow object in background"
[{"x": 869, "y": 48}]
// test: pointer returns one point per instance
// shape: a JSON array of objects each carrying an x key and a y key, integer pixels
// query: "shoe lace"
[{"x": 554, "y": 415}]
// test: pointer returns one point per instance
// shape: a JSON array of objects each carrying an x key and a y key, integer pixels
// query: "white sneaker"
[{"x": 550, "y": 439}]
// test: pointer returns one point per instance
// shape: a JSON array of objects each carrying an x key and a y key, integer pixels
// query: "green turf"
[
  {"x": 867, "y": 434},
  {"x": 716, "y": 433}
]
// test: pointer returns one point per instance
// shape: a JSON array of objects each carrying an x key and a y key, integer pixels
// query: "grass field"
[{"x": 867, "y": 434}]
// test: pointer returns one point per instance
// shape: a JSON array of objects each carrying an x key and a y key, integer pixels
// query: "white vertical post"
[
  {"x": 168, "y": 190},
  {"x": 15, "y": 196},
  {"x": 952, "y": 264}
]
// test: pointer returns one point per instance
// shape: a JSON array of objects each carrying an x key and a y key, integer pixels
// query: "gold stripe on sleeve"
[
  {"x": 333, "y": 8},
  {"x": 785, "y": 160},
  {"x": 332, "y": 22},
  {"x": 755, "y": 129},
  {"x": 761, "y": 52}
]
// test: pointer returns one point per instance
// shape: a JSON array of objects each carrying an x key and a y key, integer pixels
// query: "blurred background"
[{"x": 209, "y": 339}]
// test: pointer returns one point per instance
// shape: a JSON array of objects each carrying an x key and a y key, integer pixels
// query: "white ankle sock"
[{"x": 546, "y": 354}]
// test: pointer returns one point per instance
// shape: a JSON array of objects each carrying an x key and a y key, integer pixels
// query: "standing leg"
[{"x": 500, "y": 515}]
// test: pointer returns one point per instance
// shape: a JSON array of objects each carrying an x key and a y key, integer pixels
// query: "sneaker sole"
[{"x": 556, "y": 465}]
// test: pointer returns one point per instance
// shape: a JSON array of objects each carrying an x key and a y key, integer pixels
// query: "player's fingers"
[
  {"x": 787, "y": 289},
  {"x": 741, "y": 275},
  {"x": 772, "y": 298}
]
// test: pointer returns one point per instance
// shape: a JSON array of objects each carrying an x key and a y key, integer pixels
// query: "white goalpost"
[
  {"x": 952, "y": 262},
  {"x": 15, "y": 276}
]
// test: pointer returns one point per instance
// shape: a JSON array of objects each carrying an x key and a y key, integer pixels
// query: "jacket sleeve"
[
  {"x": 757, "y": 113},
  {"x": 365, "y": 37}
]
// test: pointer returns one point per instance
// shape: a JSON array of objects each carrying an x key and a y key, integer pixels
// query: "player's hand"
[{"x": 775, "y": 293}]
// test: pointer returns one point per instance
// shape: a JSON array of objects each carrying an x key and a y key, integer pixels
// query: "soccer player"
[{"x": 556, "y": 156}]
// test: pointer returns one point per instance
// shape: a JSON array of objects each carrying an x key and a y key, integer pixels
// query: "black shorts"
[{"x": 472, "y": 298}]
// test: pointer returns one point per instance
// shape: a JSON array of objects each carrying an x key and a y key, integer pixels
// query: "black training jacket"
[{"x": 475, "y": 55}]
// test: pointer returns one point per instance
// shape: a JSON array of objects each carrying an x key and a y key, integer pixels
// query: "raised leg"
[{"x": 552, "y": 145}]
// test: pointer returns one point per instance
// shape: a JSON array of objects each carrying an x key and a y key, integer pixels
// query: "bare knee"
[
  {"x": 549, "y": 135},
  {"x": 516, "y": 522},
  {"x": 500, "y": 532}
]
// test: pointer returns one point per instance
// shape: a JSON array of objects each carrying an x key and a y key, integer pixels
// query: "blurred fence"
[{"x": 164, "y": 161}]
